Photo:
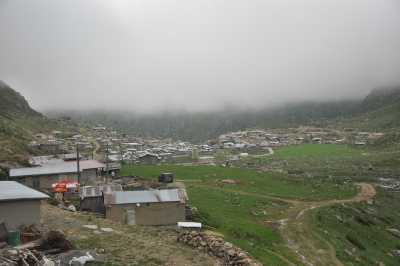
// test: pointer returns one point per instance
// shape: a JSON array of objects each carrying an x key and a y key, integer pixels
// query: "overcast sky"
[{"x": 196, "y": 54}]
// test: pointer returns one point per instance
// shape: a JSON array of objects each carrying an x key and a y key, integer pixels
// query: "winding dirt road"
[
  {"x": 311, "y": 248},
  {"x": 296, "y": 227}
]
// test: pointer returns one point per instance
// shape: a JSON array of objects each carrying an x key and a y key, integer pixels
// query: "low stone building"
[
  {"x": 146, "y": 207},
  {"x": 19, "y": 204},
  {"x": 43, "y": 176}
]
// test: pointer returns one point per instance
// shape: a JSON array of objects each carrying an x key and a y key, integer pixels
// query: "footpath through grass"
[
  {"x": 240, "y": 210},
  {"x": 360, "y": 232}
]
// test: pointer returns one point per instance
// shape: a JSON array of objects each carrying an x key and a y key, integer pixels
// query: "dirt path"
[
  {"x": 296, "y": 226},
  {"x": 312, "y": 248}
]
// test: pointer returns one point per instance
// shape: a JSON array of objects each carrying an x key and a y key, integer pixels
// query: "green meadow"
[{"x": 240, "y": 211}]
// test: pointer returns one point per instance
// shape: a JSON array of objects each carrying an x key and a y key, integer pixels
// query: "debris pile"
[
  {"x": 216, "y": 246},
  {"x": 30, "y": 233},
  {"x": 54, "y": 242},
  {"x": 21, "y": 257}
]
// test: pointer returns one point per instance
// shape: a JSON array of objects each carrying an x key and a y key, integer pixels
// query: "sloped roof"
[
  {"x": 56, "y": 168},
  {"x": 11, "y": 190},
  {"x": 145, "y": 196},
  {"x": 90, "y": 164},
  {"x": 47, "y": 169}
]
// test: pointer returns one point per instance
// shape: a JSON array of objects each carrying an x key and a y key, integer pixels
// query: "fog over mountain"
[{"x": 147, "y": 55}]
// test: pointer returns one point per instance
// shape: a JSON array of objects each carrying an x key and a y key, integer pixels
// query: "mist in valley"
[{"x": 196, "y": 56}]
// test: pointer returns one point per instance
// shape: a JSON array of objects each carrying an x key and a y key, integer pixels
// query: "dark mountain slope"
[
  {"x": 379, "y": 111},
  {"x": 18, "y": 123}
]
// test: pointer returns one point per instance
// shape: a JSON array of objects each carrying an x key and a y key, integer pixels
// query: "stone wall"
[{"x": 216, "y": 246}]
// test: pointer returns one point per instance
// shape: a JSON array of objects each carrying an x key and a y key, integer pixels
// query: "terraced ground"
[
  {"x": 271, "y": 212},
  {"x": 248, "y": 212}
]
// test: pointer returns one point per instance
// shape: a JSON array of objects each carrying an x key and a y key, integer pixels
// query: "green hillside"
[
  {"x": 380, "y": 112},
  {"x": 18, "y": 123}
]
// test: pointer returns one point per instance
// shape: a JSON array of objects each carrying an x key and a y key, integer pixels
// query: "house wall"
[
  {"x": 88, "y": 176},
  {"x": 93, "y": 204},
  {"x": 22, "y": 212},
  {"x": 45, "y": 181},
  {"x": 162, "y": 213}
]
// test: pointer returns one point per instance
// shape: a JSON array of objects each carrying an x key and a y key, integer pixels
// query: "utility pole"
[
  {"x": 121, "y": 153},
  {"x": 107, "y": 159},
  {"x": 78, "y": 163}
]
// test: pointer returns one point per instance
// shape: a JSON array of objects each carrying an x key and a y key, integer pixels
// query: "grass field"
[
  {"x": 328, "y": 161},
  {"x": 270, "y": 188},
  {"x": 358, "y": 231},
  {"x": 316, "y": 150},
  {"x": 252, "y": 181},
  {"x": 240, "y": 211}
]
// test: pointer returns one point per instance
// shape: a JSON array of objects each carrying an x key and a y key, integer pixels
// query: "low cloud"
[{"x": 149, "y": 55}]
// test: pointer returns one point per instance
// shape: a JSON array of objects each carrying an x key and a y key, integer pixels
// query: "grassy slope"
[
  {"x": 363, "y": 222},
  {"x": 381, "y": 119},
  {"x": 18, "y": 122},
  {"x": 272, "y": 184},
  {"x": 366, "y": 224},
  {"x": 335, "y": 162},
  {"x": 239, "y": 211}
]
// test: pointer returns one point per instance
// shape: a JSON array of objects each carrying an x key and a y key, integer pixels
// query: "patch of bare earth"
[{"x": 126, "y": 245}]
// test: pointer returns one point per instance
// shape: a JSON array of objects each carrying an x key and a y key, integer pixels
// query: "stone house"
[
  {"x": 19, "y": 204},
  {"x": 42, "y": 177},
  {"x": 146, "y": 207}
]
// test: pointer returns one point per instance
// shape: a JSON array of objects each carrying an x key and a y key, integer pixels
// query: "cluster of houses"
[
  {"x": 22, "y": 194},
  {"x": 20, "y": 204},
  {"x": 119, "y": 147},
  {"x": 263, "y": 139}
]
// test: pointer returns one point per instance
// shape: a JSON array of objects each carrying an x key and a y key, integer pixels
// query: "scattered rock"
[
  {"x": 229, "y": 181},
  {"x": 107, "y": 229},
  {"x": 71, "y": 208},
  {"x": 91, "y": 226},
  {"x": 396, "y": 252},
  {"x": 395, "y": 232}
]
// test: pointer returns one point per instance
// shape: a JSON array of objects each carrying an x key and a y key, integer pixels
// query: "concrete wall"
[
  {"x": 93, "y": 204},
  {"x": 45, "y": 181},
  {"x": 163, "y": 213},
  {"x": 17, "y": 213},
  {"x": 88, "y": 176}
]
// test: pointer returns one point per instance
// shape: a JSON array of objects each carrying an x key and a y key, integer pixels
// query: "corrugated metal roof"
[
  {"x": 56, "y": 168},
  {"x": 48, "y": 169},
  {"x": 145, "y": 196},
  {"x": 89, "y": 164},
  {"x": 11, "y": 190}
]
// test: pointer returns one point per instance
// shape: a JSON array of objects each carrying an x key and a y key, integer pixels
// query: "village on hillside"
[{"x": 82, "y": 173}]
